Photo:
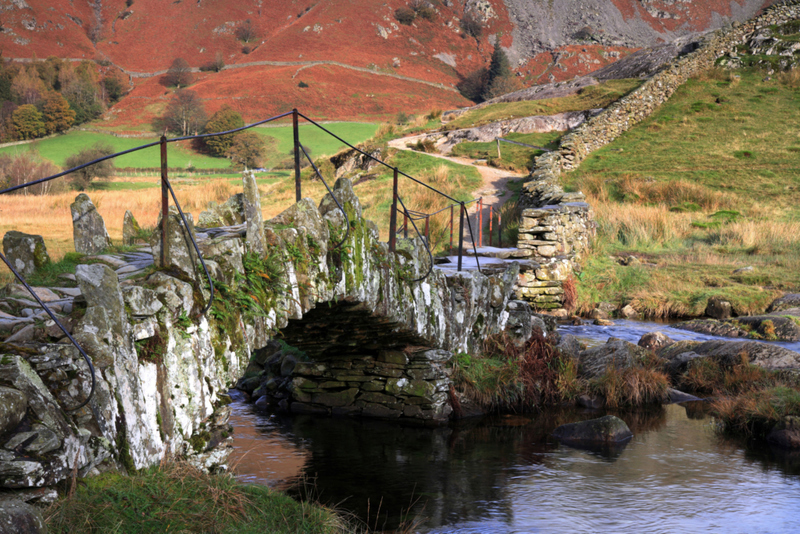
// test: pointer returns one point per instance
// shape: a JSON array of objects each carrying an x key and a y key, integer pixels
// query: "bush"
[
  {"x": 245, "y": 32},
  {"x": 405, "y": 16},
  {"x": 179, "y": 74},
  {"x": 223, "y": 120},
  {"x": 472, "y": 25},
  {"x": 82, "y": 178},
  {"x": 424, "y": 145},
  {"x": 247, "y": 150},
  {"x": 216, "y": 65},
  {"x": 473, "y": 85},
  {"x": 302, "y": 85},
  {"x": 402, "y": 118}
]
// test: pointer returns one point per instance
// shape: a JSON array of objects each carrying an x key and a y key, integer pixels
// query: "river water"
[{"x": 508, "y": 475}]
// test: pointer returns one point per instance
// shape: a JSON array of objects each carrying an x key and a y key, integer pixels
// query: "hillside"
[{"x": 408, "y": 68}]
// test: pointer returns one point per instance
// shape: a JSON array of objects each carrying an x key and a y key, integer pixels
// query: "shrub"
[
  {"x": 405, "y": 16},
  {"x": 302, "y": 85},
  {"x": 472, "y": 25},
  {"x": 179, "y": 74},
  {"x": 402, "y": 118},
  {"x": 424, "y": 145},
  {"x": 247, "y": 150},
  {"x": 472, "y": 86},
  {"x": 245, "y": 32},
  {"x": 216, "y": 65},
  {"x": 82, "y": 178},
  {"x": 223, "y": 120}
]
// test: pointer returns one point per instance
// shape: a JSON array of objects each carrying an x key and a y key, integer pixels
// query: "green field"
[{"x": 279, "y": 141}]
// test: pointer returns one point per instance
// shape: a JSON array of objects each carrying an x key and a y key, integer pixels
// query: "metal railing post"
[
  {"x": 480, "y": 222},
  {"x": 405, "y": 224},
  {"x": 452, "y": 213},
  {"x": 393, "y": 216},
  {"x": 427, "y": 229},
  {"x": 164, "y": 201},
  {"x": 499, "y": 230},
  {"x": 461, "y": 237},
  {"x": 297, "y": 188},
  {"x": 498, "y": 148},
  {"x": 491, "y": 216}
]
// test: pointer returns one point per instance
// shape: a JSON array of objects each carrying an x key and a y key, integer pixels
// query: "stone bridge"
[{"x": 368, "y": 338}]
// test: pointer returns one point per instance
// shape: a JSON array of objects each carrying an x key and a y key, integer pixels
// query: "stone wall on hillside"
[{"x": 544, "y": 192}]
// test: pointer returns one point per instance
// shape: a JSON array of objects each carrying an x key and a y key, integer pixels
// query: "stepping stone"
[
  {"x": 127, "y": 269},
  {"x": 70, "y": 291},
  {"x": 67, "y": 276},
  {"x": 18, "y": 290},
  {"x": 116, "y": 261}
]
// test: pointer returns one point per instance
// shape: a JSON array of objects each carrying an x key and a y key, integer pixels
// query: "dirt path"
[{"x": 494, "y": 189}]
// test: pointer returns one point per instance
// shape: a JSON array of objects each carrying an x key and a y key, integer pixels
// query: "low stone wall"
[{"x": 544, "y": 192}]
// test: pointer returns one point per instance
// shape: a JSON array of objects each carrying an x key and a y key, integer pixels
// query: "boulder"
[
  {"x": 628, "y": 312},
  {"x": 519, "y": 326},
  {"x": 17, "y": 517},
  {"x": 27, "y": 253},
  {"x": 256, "y": 241},
  {"x": 791, "y": 300},
  {"x": 768, "y": 327},
  {"x": 603, "y": 431},
  {"x": 718, "y": 308},
  {"x": 343, "y": 189},
  {"x": 655, "y": 341},
  {"x": 615, "y": 353},
  {"x": 762, "y": 354},
  {"x": 141, "y": 301},
  {"x": 88, "y": 228},
  {"x": 676, "y": 396},
  {"x": 786, "y": 434},
  {"x": 130, "y": 229},
  {"x": 229, "y": 213}
]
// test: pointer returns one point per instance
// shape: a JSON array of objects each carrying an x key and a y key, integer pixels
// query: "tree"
[
  {"x": 472, "y": 86},
  {"x": 185, "y": 114},
  {"x": 179, "y": 74},
  {"x": 28, "y": 122},
  {"x": 405, "y": 15},
  {"x": 81, "y": 89},
  {"x": 114, "y": 85},
  {"x": 245, "y": 32},
  {"x": 248, "y": 150},
  {"x": 24, "y": 167},
  {"x": 223, "y": 120},
  {"x": 27, "y": 87},
  {"x": 56, "y": 113},
  {"x": 82, "y": 178},
  {"x": 499, "y": 67}
]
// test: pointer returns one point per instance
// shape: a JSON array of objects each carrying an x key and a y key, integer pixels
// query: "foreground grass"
[
  {"x": 706, "y": 186},
  {"x": 178, "y": 498},
  {"x": 597, "y": 96}
]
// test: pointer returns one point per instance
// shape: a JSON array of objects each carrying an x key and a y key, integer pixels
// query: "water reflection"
[{"x": 507, "y": 474}]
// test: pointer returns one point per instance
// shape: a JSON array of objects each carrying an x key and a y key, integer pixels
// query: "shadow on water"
[{"x": 507, "y": 473}]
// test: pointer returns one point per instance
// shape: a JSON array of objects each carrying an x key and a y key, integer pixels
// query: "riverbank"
[{"x": 176, "y": 497}]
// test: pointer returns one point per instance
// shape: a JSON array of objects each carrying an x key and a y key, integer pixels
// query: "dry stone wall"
[{"x": 558, "y": 226}]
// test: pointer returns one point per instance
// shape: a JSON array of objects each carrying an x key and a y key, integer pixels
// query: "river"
[{"x": 508, "y": 475}]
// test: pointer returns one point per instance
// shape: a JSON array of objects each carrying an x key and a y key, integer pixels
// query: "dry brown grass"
[
  {"x": 636, "y": 225},
  {"x": 641, "y": 384}
]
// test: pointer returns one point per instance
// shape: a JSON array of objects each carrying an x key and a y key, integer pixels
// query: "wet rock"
[
  {"x": 13, "y": 405},
  {"x": 718, "y": 308},
  {"x": 569, "y": 346},
  {"x": 655, "y": 341},
  {"x": 256, "y": 241},
  {"x": 628, "y": 312},
  {"x": 88, "y": 228},
  {"x": 229, "y": 213},
  {"x": 767, "y": 327},
  {"x": 17, "y": 517},
  {"x": 130, "y": 229},
  {"x": 761, "y": 354},
  {"x": 713, "y": 327},
  {"x": 593, "y": 402},
  {"x": 616, "y": 353},
  {"x": 676, "y": 396},
  {"x": 792, "y": 300},
  {"x": 603, "y": 322},
  {"x": 786, "y": 434},
  {"x": 27, "y": 253},
  {"x": 605, "y": 430}
]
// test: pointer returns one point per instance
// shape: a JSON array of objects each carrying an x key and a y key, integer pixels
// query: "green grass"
[
  {"x": 178, "y": 498},
  {"x": 598, "y": 96},
  {"x": 697, "y": 199},
  {"x": 514, "y": 157},
  {"x": 279, "y": 141}
]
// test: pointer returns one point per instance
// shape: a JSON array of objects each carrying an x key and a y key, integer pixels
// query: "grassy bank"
[
  {"x": 706, "y": 186},
  {"x": 176, "y": 497},
  {"x": 512, "y": 157}
]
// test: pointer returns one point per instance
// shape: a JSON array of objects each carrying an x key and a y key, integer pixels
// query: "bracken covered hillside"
[{"x": 412, "y": 67}]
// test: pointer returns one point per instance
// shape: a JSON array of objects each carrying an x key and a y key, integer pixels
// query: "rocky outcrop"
[
  {"x": 779, "y": 326},
  {"x": 773, "y": 357},
  {"x": 615, "y": 354},
  {"x": 88, "y": 228},
  {"x": 784, "y": 303},
  {"x": 352, "y": 161},
  {"x": 20, "y": 518},
  {"x": 603, "y": 431},
  {"x": 230, "y": 213},
  {"x": 27, "y": 253}
]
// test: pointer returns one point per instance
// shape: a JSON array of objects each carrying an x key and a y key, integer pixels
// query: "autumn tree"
[
  {"x": 28, "y": 122},
  {"x": 82, "y": 178},
  {"x": 56, "y": 113},
  {"x": 80, "y": 86},
  {"x": 27, "y": 87},
  {"x": 179, "y": 74},
  {"x": 27, "y": 166},
  {"x": 184, "y": 115},
  {"x": 115, "y": 86},
  {"x": 246, "y": 32},
  {"x": 247, "y": 150},
  {"x": 223, "y": 120}
]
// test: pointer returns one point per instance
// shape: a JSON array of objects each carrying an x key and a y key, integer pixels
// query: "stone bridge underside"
[{"x": 377, "y": 343}]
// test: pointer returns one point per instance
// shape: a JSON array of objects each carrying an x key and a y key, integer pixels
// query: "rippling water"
[{"x": 507, "y": 475}]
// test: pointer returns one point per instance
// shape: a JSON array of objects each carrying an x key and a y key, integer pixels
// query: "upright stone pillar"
[
  {"x": 179, "y": 252},
  {"x": 130, "y": 229},
  {"x": 88, "y": 228},
  {"x": 256, "y": 240}
]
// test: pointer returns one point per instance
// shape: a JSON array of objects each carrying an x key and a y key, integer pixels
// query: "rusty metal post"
[
  {"x": 164, "y": 201},
  {"x": 405, "y": 224},
  {"x": 297, "y": 189},
  {"x": 480, "y": 222},
  {"x": 499, "y": 230},
  {"x": 461, "y": 236},
  {"x": 427, "y": 230},
  {"x": 491, "y": 216},
  {"x": 393, "y": 216},
  {"x": 452, "y": 213},
  {"x": 498, "y": 148}
]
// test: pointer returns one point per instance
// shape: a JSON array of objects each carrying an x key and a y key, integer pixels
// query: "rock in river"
[{"x": 606, "y": 430}]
